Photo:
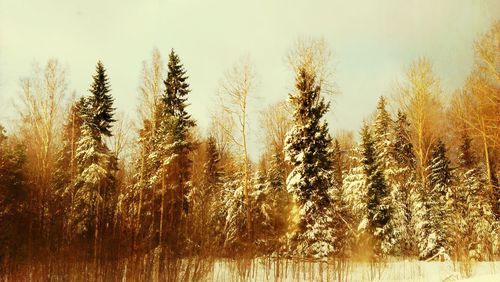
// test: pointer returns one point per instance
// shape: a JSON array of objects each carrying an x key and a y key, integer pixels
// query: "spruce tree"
[
  {"x": 308, "y": 149},
  {"x": 213, "y": 194},
  {"x": 65, "y": 173},
  {"x": 382, "y": 138},
  {"x": 440, "y": 171},
  {"x": 212, "y": 170},
  {"x": 337, "y": 164},
  {"x": 92, "y": 208},
  {"x": 276, "y": 174},
  {"x": 277, "y": 201},
  {"x": 378, "y": 211},
  {"x": 236, "y": 239},
  {"x": 466, "y": 159},
  {"x": 354, "y": 184},
  {"x": 269, "y": 204},
  {"x": 204, "y": 222},
  {"x": 101, "y": 102},
  {"x": 471, "y": 234},
  {"x": 404, "y": 187},
  {"x": 93, "y": 163},
  {"x": 435, "y": 206},
  {"x": 175, "y": 103},
  {"x": 264, "y": 213},
  {"x": 64, "y": 177},
  {"x": 161, "y": 182},
  {"x": 403, "y": 152},
  {"x": 174, "y": 108},
  {"x": 176, "y": 91},
  {"x": 14, "y": 198},
  {"x": 3, "y": 135},
  {"x": 140, "y": 199}
]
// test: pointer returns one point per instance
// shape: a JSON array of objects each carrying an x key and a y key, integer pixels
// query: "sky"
[{"x": 372, "y": 43}]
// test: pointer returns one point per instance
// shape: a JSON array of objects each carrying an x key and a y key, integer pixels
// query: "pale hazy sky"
[{"x": 372, "y": 43}]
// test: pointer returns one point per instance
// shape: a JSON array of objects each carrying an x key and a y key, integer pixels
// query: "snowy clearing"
[{"x": 393, "y": 271}]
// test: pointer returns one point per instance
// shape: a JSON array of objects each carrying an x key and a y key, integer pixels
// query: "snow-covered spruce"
[
  {"x": 308, "y": 149},
  {"x": 91, "y": 208}
]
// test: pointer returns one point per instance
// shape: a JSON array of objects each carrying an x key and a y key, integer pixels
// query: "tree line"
[{"x": 422, "y": 181}]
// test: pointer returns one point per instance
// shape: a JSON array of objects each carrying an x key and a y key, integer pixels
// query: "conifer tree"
[
  {"x": 263, "y": 213},
  {"x": 94, "y": 193},
  {"x": 214, "y": 176},
  {"x": 277, "y": 200},
  {"x": 402, "y": 147},
  {"x": 236, "y": 237},
  {"x": 378, "y": 211},
  {"x": 176, "y": 91},
  {"x": 435, "y": 207},
  {"x": 308, "y": 149},
  {"x": 404, "y": 189},
  {"x": 64, "y": 176},
  {"x": 101, "y": 102},
  {"x": 65, "y": 173},
  {"x": 204, "y": 221},
  {"x": 337, "y": 167},
  {"x": 471, "y": 234},
  {"x": 354, "y": 184},
  {"x": 175, "y": 103},
  {"x": 212, "y": 171},
  {"x": 440, "y": 171},
  {"x": 382, "y": 138},
  {"x": 268, "y": 207},
  {"x": 3, "y": 137},
  {"x": 277, "y": 175},
  {"x": 158, "y": 197},
  {"x": 467, "y": 159},
  {"x": 14, "y": 195},
  {"x": 164, "y": 200},
  {"x": 141, "y": 198},
  {"x": 174, "y": 106}
]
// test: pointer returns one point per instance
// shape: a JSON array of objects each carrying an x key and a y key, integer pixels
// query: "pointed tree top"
[
  {"x": 439, "y": 165},
  {"x": 467, "y": 158},
  {"x": 381, "y": 102},
  {"x": 100, "y": 103},
  {"x": 2, "y": 134}
]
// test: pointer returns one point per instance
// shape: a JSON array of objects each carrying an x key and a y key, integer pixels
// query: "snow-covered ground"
[
  {"x": 260, "y": 270},
  {"x": 394, "y": 271},
  {"x": 484, "y": 278}
]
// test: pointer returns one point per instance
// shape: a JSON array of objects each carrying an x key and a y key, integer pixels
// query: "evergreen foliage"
[
  {"x": 308, "y": 149},
  {"x": 472, "y": 231},
  {"x": 378, "y": 212},
  {"x": 14, "y": 196},
  {"x": 94, "y": 194},
  {"x": 337, "y": 165},
  {"x": 404, "y": 188},
  {"x": 435, "y": 205},
  {"x": 101, "y": 102}
]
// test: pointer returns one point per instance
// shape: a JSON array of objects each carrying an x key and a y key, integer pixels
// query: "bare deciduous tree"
[
  {"x": 314, "y": 55},
  {"x": 420, "y": 98},
  {"x": 236, "y": 87},
  {"x": 478, "y": 105},
  {"x": 41, "y": 110},
  {"x": 151, "y": 86},
  {"x": 276, "y": 120}
]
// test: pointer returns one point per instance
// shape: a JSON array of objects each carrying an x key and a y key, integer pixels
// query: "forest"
[{"x": 87, "y": 195}]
